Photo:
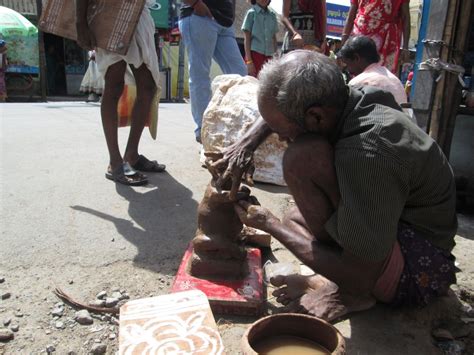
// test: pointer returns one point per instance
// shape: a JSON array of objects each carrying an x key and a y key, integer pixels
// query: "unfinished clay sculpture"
[{"x": 218, "y": 248}]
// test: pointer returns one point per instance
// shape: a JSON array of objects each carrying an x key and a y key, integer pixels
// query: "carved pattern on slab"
[{"x": 179, "y": 323}]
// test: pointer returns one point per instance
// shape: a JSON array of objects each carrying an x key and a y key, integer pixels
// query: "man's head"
[
  {"x": 358, "y": 53},
  {"x": 262, "y": 3},
  {"x": 301, "y": 92}
]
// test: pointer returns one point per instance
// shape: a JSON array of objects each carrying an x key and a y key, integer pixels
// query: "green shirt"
[
  {"x": 388, "y": 170},
  {"x": 262, "y": 25}
]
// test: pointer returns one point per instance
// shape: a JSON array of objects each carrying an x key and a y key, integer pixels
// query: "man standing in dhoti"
[{"x": 141, "y": 58}]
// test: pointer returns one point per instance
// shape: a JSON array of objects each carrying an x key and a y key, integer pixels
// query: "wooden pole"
[
  {"x": 42, "y": 59},
  {"x": 436, "y": 117},
  {"x": 452, "y": 97}
]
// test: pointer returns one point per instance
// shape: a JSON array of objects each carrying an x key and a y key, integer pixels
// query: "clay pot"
[{"x": 300, "y": 325}]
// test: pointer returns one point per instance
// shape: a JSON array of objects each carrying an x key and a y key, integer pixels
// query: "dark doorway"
[{"x": 55, "y": 67}]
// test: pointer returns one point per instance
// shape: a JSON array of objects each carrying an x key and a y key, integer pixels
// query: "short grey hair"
[{"x": 302, "y": 79}]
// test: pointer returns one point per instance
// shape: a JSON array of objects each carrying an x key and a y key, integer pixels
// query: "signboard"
[
  {"x": 336, "y": 19},
  {"x": 160, "y": 12}
]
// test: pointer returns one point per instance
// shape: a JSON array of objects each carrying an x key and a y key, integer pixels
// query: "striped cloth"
[
  {"x": 113, "y": 22},
  {"x": 388, "y": 171}
]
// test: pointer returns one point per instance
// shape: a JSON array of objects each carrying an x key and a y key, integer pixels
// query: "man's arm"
[
  {"x": 349, "y": 23},
  {"x": 237, "y": 159},
  {"x": 248, "y": 55},
  {"x": 85, "y": 37},
  {"x": 350, "y": 273},
  {"x": 295, "y": 37},
  {"x": 405, "y": 16},
  {"x": 199, "y": 7}
]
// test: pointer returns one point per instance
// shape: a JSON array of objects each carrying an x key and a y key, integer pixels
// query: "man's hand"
[
  {"x": 85, "y": 37},
  {"x": 251, "y": 69},
  {"x": 254, "y": 216},
  {"x": 202, "y": 10},
  {"x": 297, "y": 41},
  {"x": 233, "y": 163},
  {"x": 404, "y": 56}
]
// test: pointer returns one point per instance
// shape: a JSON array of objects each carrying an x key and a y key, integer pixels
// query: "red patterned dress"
[{"x": 381, "y": 20}]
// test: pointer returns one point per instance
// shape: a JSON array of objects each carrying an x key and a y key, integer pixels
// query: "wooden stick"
[{"x": 68, "y": 299}]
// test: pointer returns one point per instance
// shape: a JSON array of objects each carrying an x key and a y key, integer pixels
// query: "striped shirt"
[{"x": 388, "y": 170}]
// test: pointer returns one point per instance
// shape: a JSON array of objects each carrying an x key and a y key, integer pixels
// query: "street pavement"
[{"x": 64, "y": 225}]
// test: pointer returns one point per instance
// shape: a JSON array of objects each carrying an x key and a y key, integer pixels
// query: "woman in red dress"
[{"x": 386, "y": 22}]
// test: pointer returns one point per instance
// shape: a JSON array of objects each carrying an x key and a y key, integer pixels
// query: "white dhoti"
[{"x": 141, "y": 50}]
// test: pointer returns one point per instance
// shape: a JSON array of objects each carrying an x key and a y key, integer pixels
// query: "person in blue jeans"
[{"x": 206, "y": 28}]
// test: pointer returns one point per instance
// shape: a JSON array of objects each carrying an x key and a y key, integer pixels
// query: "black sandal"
[
  {"x": 124, "y": 174},
  {"x": 149, "y": 166}
]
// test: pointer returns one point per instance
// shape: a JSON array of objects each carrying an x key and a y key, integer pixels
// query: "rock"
[
  {"x": 6, "y": 321},
  {"x": 15, "y": 327},
  {"x": 59, "y": 325},
  {"x": 441, "y": 334},
  {"x": 112, "y": 336},
  {"x": 97, "y": 303},
  {"x": 452, "y": 347},
  {"x": 47, "y": 331},
  {"x": 6, "y": 295},
  {"x": 99, "y": 349},
  {"x": 111, "y": 302},
  {"x": 83, "y": 317},
  {"x": 125, "y": 296},
  {"x": 116, "y": 295},
  {"x": 232, "y": 110},
  {"x": 468, "y": 310},
  {"x": 50, "y": 349},
  {"x": 114, "y": 321},
  {"x": 57, "y": 311},
  {"x": 2, "y": 279},
  {"x": 18, "y": 314},
  {"x": 101, "y": 295},
  {"x": 70, "y": 282},
  {"x": 6, "y": 334}
]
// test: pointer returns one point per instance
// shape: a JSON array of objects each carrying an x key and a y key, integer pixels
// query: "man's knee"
[
  {"x": 308, "y": 153},
  {"x": 146, "y": 91},
  {"x": 114, "y": 89}
]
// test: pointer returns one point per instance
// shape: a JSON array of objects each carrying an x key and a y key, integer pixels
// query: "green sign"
[{"x": 160, "y": 13}]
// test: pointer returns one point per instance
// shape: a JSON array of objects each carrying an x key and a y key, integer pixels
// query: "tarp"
[{"x": 22, "y": 41}]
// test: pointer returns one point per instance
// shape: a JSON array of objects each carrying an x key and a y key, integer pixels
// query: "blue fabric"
[{"x": 204, "y": 40}]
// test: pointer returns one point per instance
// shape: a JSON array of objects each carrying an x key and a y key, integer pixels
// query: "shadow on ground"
[
  {"x": 403, "y": 330},
  {"x": 162, "y": 222}
]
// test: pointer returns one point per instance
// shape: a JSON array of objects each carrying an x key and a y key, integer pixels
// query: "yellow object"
[{"x": 125, "y": 107}]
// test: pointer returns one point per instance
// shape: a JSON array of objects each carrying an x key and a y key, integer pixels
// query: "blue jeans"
[{"x": 205, "y": 39}]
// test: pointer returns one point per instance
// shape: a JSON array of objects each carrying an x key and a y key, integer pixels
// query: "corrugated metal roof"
[{"x": 25, "y": 7}]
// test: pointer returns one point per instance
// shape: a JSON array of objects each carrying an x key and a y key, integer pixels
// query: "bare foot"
[{"x": 318, "y": 296}]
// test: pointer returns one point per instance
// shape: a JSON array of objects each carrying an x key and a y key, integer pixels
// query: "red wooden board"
[{"x": 237, "y": 297}]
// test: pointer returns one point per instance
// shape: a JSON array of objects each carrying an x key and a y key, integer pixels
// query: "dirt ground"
[{"x": 64, "y": 225}]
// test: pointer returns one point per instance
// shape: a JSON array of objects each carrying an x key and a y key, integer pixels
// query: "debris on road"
[
  {"x": 83, "y": 317},
  {"x": 6, "y": 334}
]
